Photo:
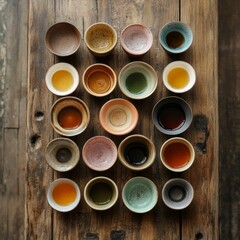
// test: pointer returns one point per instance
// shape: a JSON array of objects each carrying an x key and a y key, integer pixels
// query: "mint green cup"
[{"x": 140, "y": 195}]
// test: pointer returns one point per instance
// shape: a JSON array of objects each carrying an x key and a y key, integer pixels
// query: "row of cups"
[
  {"x": 139, "y": 194},
  {"x": 137, "y": 80},
  {"x": 63, "y": 38}
]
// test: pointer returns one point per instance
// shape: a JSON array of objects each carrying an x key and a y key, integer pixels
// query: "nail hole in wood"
[
  {"x": 199, "y": 236},
  {"x": 36, "y": 141},
  {"x": 39, "y": 116}
]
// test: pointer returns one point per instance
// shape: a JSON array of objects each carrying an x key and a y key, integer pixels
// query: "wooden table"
[{"x": 200, "y": 219}]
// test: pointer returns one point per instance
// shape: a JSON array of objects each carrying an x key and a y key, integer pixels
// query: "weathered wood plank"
[
  {"x": 200, "y": 220},
  {"x": 229, "y": 118}
]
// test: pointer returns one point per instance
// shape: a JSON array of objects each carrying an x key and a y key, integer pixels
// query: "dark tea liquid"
[
  {"x": 174, "y": 39},
  {"x": 101, "y": 193},
  {"x": 171, "y": 116},
  {"x": 63, "y": 155}
]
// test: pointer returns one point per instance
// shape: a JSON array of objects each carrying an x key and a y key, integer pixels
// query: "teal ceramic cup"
[
  {"x": 140, "y": 194},
  {"x": 175, "y": 37}
]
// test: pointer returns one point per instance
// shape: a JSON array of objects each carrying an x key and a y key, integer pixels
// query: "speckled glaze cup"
[
  {"x": 99, "y": 153},
  {"x": 101, "y": 193},
  {"x": 63, "y": 39},
  {"x": 100, "y": 38},
  {"x": 136, "y": 39},
  {"x": 138, "y": 80},
  {"x": 172, "y": 115},
  {"x": 177, "y": 193},
  {"x": 175, "y": 37},
  {"x": 140, "y": 195},
  {"x": 99, "y": 80}
]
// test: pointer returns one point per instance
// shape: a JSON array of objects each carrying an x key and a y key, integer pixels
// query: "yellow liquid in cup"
[
  {"x": 64, "y": 194},
  {"x": 62, "y": 80},
  {"x": 178, "y": 78}
]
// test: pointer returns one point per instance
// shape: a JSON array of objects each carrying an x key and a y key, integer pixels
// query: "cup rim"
[
  {"x": 95, "y": 180},
  {"x": 65, "y": 67},
  {"x": 114, "y": 79},
  {"x": 179, "y": 64},
  {"x": 186, "y": 143},
  {"x": 142, "y": 139},
  {"x": 58, "y": 207}
]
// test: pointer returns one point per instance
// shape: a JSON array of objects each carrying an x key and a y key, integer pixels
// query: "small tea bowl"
[
  {"x": 137, "y": 80},
  {"x": 101, "y": 39},
  {"x": 62, "y": 154},
  {"x": 172, "y": 115},
  {"x": 63, "y": 195},
  {"x": 136, "y": 152},
  {"x": 175, "y": 37},
  {"x": 99, "y": 153},
  {"x": 136, "y": 39},
  {"x": 140, "y": 195},
  {"x": 70, "y": 116},
  {"x": 118, "y": 116},
  {"x": 175, "y": 73},
  {"x": 62, "y": 79},
  {"x": 101, "y": 193},
  {"x": 99, "y": 80},
  {"x": 63, "y": 39},
  {"x": 177, "y": 193},
  {"x": 177, "y": 154}
]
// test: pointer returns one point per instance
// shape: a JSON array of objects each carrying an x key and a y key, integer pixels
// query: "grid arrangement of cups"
[{"x": 70, "y": 116}]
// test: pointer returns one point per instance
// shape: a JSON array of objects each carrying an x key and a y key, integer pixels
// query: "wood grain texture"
[{"x": 229, "y": 118}]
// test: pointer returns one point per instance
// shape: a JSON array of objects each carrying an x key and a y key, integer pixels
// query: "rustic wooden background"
[{"x": 24, "y": 178}]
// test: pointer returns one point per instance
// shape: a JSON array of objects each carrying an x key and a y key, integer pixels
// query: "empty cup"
[
  {"x": 177, "y": 154},
  {"x": 175, "y": 37},
  {"x": 62, "y": 154},
  {"x": 62, "y": 79},
  {"x": 101, "y": 193},
  {"x": 101, "y": 39},
  {"x": 179, "y": 77},
  {"x": 172, "y": 115},
  {"x": 136, "y": 152},
  {"x": 177, "y": 193},
  {"x": 63, "y": 195},
  {"x": 63, "y": 39},
  {"x": 136, "y": 39},
  {"x": 137, "y": 80}
]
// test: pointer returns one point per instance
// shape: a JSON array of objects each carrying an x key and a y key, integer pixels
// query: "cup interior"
[
  {"x": 137, "y": 80},
  {"x": 136, "y": 152},
  {"x": 177, "y": 193},
  {"x": 99, "y": 80},
  {"x": 62, "y": 79},
  {"x": 140, "y": 194},
  {"x": 99, "y": 153},
  {"x": 63, "y": 39},
  {"x": 177, "y": 154},
  {"x": 101, "y": 193},
  {"x": 63, "y": 195},
  {"x": 172, "y": 115},
  {"x": 70, "y": 116}
]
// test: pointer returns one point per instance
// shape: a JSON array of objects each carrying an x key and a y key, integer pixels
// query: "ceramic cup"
[
  {"x": 99, "y": 153},
  {"x": 63, "y": 195},
  {"x": 62, "y": 79},
  {"x": 136, "y": 152},
  {"x": 172, "y": 115},
  {"x": 99, "y": 80},
  {"x": 118, "y": 116},
  {"x": 140, "y": 195},
  {"x": 137, "y": 80},
  {"x": 179, "y": 77},
  {"x": 101, "y": 39},
  {"x": 63, "y": 39},
  {"x": 177, "y": 193},
  {"x": 177, "y": 154},
  {"x": 62, "y": 154},
  {"x": 101, "y": 193},
  {"x": 175, "y": 37},
  {"x": 70, "y": 116},
  {"x": 136, "y": 39}
]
